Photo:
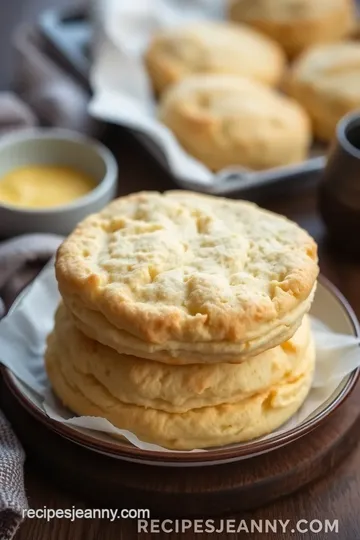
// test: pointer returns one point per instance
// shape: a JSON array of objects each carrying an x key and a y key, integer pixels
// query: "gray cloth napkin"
[
  {"x": 14, "y": 114},
  {"x": 12, "y": 494},
  {"x": 20, "y": 260},
  {"x": 56, "y": 97}
]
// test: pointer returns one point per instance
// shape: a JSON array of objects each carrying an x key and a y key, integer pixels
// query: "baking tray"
[{"x": 68, "y": 34}]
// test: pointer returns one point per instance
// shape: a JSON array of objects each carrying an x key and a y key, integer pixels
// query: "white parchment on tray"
[
  {"x": 22, "y": 342},
  {"x": 122, "y": 91}
]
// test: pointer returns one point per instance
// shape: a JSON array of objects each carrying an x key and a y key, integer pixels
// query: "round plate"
[{"x": 329, "y": 306}]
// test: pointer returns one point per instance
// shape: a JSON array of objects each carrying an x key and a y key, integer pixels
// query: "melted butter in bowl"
[
  {"x": 51, "y": 179},
  {"x": 43, "y": 186}
]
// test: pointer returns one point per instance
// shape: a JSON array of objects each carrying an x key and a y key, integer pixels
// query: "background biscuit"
[{"x": 213, "y": 47}]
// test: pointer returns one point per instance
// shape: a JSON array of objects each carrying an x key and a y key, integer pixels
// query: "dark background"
[{"x": 12, "y": 14}]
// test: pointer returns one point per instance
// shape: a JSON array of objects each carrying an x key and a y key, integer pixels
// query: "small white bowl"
[{"x": 50, "y": 146}]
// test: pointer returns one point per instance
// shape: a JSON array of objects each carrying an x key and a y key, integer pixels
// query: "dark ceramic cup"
[{"x": 339, "y": 188}]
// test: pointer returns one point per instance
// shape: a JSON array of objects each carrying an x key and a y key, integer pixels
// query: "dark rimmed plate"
[{"x": 329, "y": 306}]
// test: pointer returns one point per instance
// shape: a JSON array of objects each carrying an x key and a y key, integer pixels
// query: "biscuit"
[
  {"x": 204, "y": 427},
  {"x": 181, "y": 271},
  {"x": 212, "y": 47},
  {"x": 297, "y": 24},
  {"x": 224, "y": 121},
  {"x": 326, "y": 81},
  {"x": 94, "y": 325},
  {"x": 175, "y": 388}
]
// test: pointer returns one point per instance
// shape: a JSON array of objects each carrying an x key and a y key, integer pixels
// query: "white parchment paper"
[
  {"x": 22, "y": 343},
  {"x": 122, "y": 91}
]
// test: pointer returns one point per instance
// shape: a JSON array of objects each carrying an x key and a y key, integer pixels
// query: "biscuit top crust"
[
  {"x": 288, "y": 10},
  {"x": 215, "y": 47},
  {"x": 239, "y": 108},
  {"x": 188, "y": 267},
  {"x": 333, "y": 69}
]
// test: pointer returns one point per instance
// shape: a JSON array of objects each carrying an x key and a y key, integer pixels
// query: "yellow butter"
[{"x": 43, "y": 186}]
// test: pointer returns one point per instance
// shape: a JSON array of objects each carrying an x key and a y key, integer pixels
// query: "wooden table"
[{"x": 334, "y": 497}]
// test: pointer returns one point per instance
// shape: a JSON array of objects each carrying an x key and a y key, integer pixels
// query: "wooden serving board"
[{"x": 173, "y": 492}]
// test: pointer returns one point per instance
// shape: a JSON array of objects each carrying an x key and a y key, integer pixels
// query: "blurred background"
[
  {"x": 13, "y": 14},
  {"x": 105, "y": 72}
]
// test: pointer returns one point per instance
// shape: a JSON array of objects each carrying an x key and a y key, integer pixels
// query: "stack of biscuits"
[
  {"x": 184, "y": 319},
  {"x": 254, "y": 90}
]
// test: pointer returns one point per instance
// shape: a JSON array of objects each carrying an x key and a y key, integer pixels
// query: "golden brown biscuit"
[
  {"x": 94, "y": 325},
  {"x": 213, "y": 47},
  {"x": 224, "y": 120},
  {"x": 197, "y": 428},
  {"x": 181, "y": 271},
  {"x": 174, "y": 388},
  {"x": 326, "y": 81},
  {"x": 297, "y": 24}
]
